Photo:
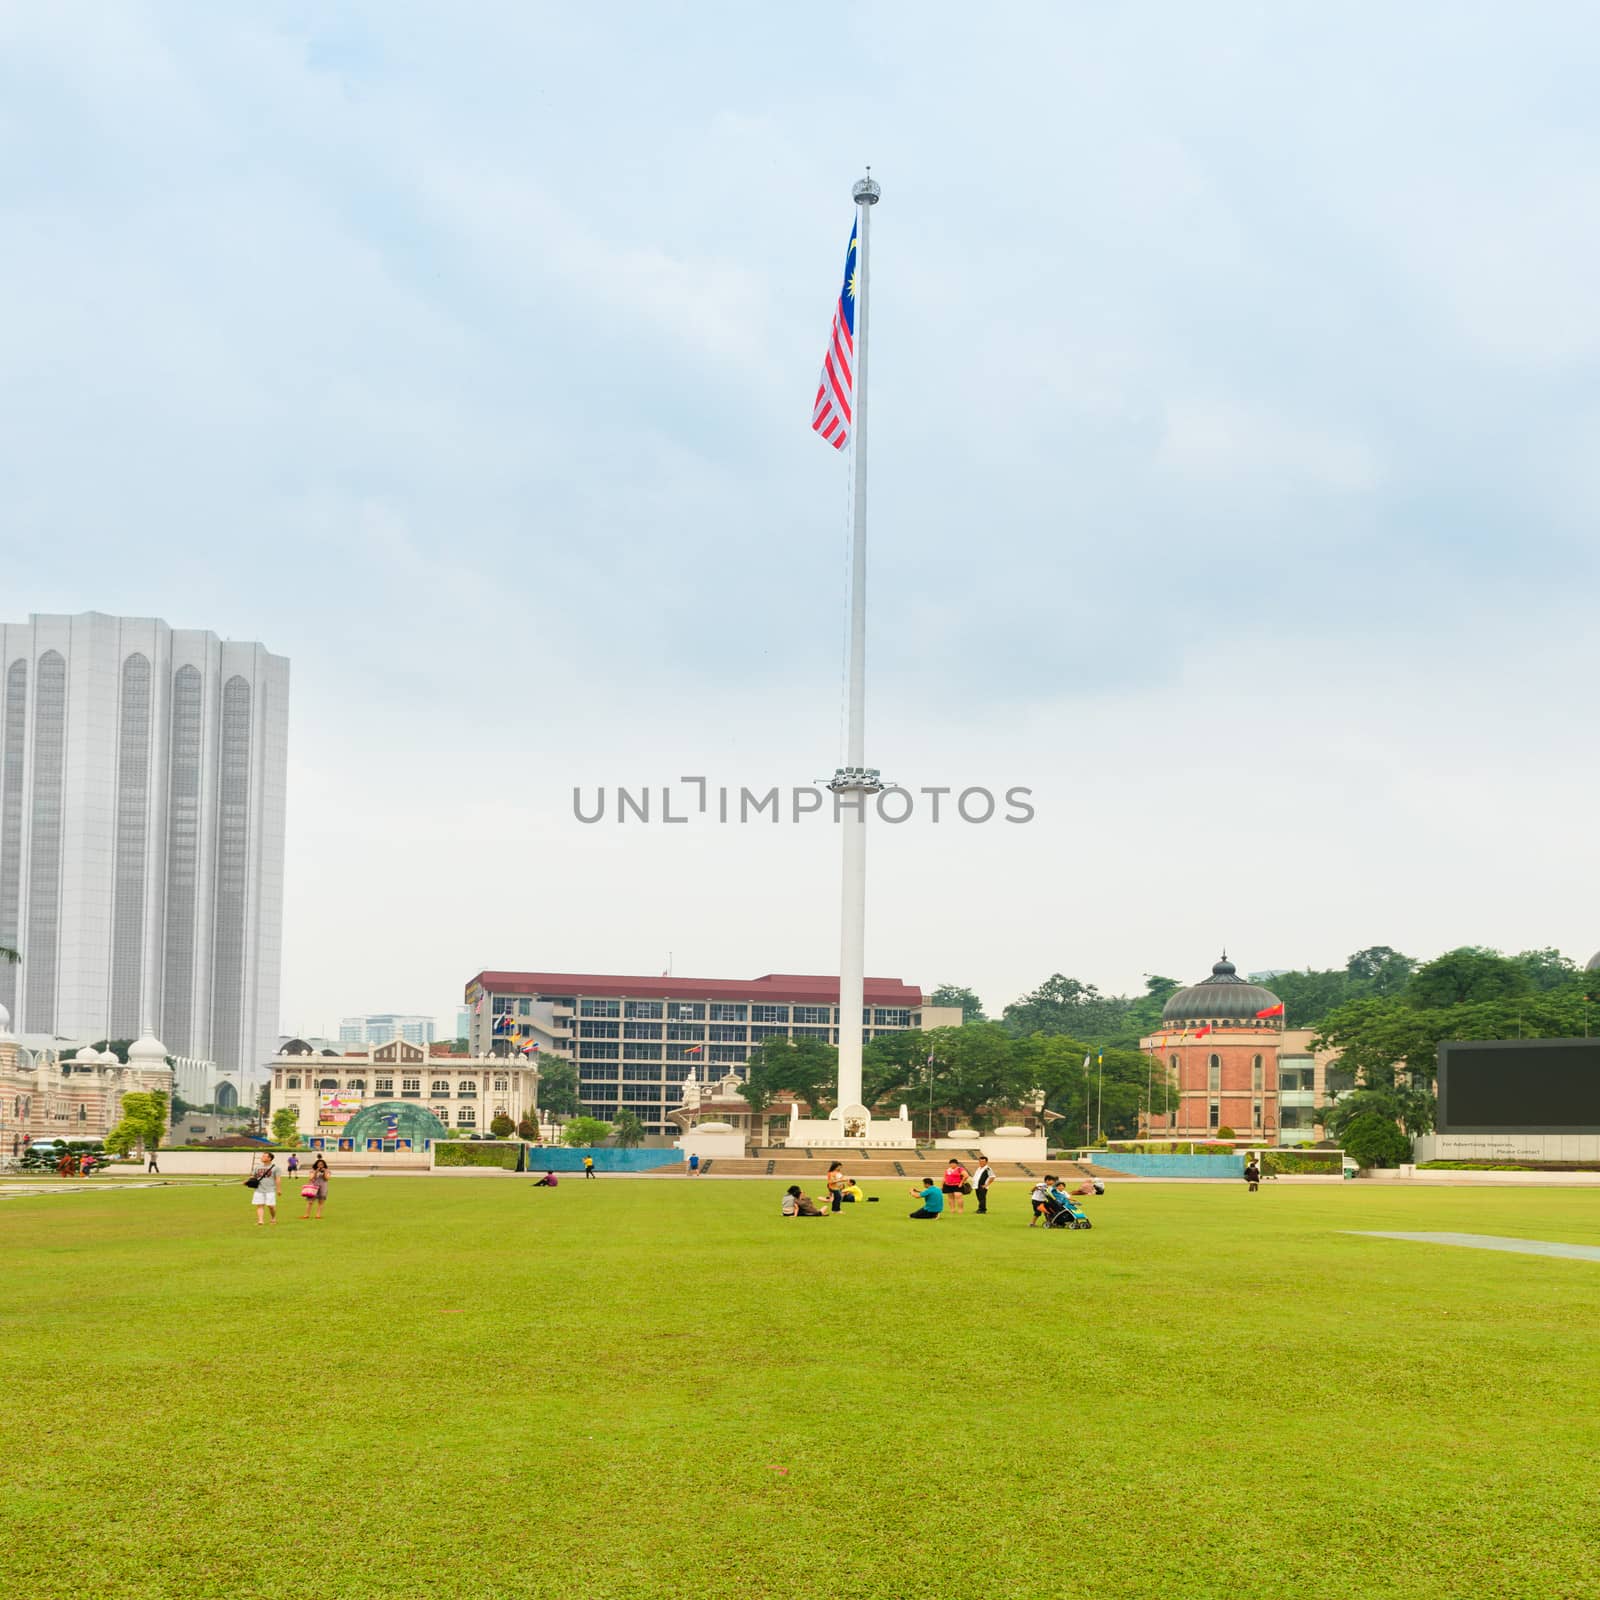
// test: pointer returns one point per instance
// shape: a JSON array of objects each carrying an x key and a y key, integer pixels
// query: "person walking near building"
[
  {"x": 1252, "y": 1174},
  {"x": 588, "y": 1166},
  {"x": 150, "y": 1164},
  {"x": 837, "y": 1183},
  {"x": 316, "y": 1189},
  {"x": 694, "y": 1166},
  {"x": 981, "y": 1179},
  {"x": 294, "y": 1163},
  {"x": 956, "y": 1184},
  {"x": 265, "y": 1184}
]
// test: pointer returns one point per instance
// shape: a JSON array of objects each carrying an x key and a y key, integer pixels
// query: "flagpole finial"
[{"x": 866, "y": 190}]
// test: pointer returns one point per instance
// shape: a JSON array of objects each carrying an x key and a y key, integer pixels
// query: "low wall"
[
  {"x": 1141, "y": 1166},
  {"x": 225, "y": 1163},
  {"x": 562, "y": 1158}
]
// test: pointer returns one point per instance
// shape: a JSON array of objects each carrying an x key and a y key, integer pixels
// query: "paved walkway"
[{"x": 1490, "y": 1241}]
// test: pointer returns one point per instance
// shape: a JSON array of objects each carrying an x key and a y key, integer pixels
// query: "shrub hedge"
[
  {"x": 1280, "y": 1163},
  {"x": 460, "y": 1153}
]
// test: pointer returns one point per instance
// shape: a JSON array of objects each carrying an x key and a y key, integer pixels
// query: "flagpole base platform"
[{"x": 851, "y": 1128}]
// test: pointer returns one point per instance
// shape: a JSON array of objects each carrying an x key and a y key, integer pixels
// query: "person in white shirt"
[
  {"x": 1040, "y": 1198},
  {"x": 981, "y": 1179}
]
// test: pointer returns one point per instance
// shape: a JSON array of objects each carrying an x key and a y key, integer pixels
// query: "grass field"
[{"x": 468, "y": 1387}]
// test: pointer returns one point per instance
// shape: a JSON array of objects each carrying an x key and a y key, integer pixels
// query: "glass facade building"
[{"x": 142, "y": 778}]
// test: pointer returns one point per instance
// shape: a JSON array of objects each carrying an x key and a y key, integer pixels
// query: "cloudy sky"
[{"x": 1236, "y": 461}]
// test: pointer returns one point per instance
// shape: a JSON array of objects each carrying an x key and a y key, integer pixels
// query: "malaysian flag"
[
  {"x": 834, "y": 410},
  {"x": 391, "y": 1125}
]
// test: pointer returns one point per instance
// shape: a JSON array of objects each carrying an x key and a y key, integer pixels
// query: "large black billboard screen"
[{"x": 1520, "y": 1086}]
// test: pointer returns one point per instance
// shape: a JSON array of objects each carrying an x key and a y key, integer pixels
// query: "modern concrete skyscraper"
[{"x": 142, "y": 777}]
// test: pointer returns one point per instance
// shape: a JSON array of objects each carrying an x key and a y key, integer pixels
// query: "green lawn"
[{"x": 469, "y": 1387}]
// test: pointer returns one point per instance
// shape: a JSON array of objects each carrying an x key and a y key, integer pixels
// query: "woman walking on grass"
[
  {"x": 265, "y": 1184},
  {"x": 837, "y": 1183},
  {"x": 316, "y": 1190}
]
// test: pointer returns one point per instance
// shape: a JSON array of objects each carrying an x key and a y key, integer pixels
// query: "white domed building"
[{"x": 50, "y": 1089}]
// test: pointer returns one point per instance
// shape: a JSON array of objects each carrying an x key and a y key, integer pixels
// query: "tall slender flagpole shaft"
[{"x": 854, "y": 787}]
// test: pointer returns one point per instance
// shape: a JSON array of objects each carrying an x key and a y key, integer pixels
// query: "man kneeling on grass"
[
  {"x": 796, "y": 1204},
  {"x": 932, "y": 1199}
]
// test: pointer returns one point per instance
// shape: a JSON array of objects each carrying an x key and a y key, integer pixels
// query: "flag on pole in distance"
[
  {"x": 693, "y": 1050},
  {"x": 1272, "y": 1011},
  {"x": 1200, "y": 1033},
  {"x": 833, "y": 411}
]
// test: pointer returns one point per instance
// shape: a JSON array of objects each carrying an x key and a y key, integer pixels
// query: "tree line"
[{"x": 981, "y": 1072}]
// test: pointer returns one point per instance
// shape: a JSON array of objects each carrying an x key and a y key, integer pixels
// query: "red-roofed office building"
[{"x": 635, "y": 1041}]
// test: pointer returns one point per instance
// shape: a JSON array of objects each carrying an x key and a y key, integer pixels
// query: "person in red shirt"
[{"x": 955, "y": 1176}]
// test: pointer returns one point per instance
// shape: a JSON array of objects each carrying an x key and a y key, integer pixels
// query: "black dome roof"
[{"x": 1223, "y": 997}]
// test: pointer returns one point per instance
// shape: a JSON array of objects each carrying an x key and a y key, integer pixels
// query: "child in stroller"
[{"x": 1061, "y": 1212}]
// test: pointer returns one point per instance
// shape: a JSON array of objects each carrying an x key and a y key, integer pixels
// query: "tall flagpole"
[{"x": 855, "y": 783}]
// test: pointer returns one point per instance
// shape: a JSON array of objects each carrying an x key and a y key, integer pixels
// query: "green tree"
[
  {"x": 8, "y": 955},
  {"x": 460, "y": 1047},
  {"x": 628, "y": 1129},
  {"x": 1064, "y": 1005},
  {"x": 502, "y": 1127},
  {"x": 807, "y": 1068},
  {"x": 558, "y": 1087},
  {"x": 1144, "y": 1014},
  {"x": 1411, "y": 1106},
  {"x": 585, "y": 1131},
  {"x": 286, "y": 1125},
  {"x": 950, "y": 994},
  {"x": 144, "y": 1114},
  {"x": 527, "y": 1129},
  {"x": 118, "y": 1048},
  {"x": 1380, "y": 969},
  {"x": 979, "y": 1067},
  {"x": 122, "y": 1138},
  {"x": 892, "y": 1065},
  {"x": 1374, "y": 1140},
  {"x": 1547, "y": 969},
  {"x": 1470, "y": 973}
]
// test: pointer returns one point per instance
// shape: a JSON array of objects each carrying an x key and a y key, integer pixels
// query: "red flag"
[
  {"x": 1200, "y": 1033},
  {"x": 1272, "y": 1011}
]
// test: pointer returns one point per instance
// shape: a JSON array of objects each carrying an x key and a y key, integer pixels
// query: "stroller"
[{"x": 1063, "y": 1213}]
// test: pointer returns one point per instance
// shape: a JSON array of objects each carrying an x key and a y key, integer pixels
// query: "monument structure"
[{"x": 840, "y": 416}]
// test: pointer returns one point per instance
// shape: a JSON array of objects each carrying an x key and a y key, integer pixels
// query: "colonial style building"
[
  {"x": 397, "y": 1092},
  {"x": 1232, "y": 1066},
  {"x": 48, "y": 1092}
]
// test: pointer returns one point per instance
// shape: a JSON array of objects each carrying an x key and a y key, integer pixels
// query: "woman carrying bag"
[
  {"x": 315, "y": 1192},
  {"x": 264, "y": 1180}
]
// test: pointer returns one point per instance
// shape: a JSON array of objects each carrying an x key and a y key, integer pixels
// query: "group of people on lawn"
[
  {"x": 952, "y": 1190},
  {"x": 954, "y": 1187}
]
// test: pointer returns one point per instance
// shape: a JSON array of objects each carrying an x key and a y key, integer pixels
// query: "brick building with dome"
[{"x": 1223, "y": 1058}]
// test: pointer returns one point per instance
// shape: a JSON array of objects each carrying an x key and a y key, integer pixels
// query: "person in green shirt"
[{"x": 932, "y": 1200}]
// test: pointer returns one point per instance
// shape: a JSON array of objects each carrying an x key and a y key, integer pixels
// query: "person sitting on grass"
[
  {"x": 796, "y": 1204},
  {"x": 548, "y": 1181},
  {"x": 852, "y": 1193},
  {"x": 932, "y": 1199}
]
